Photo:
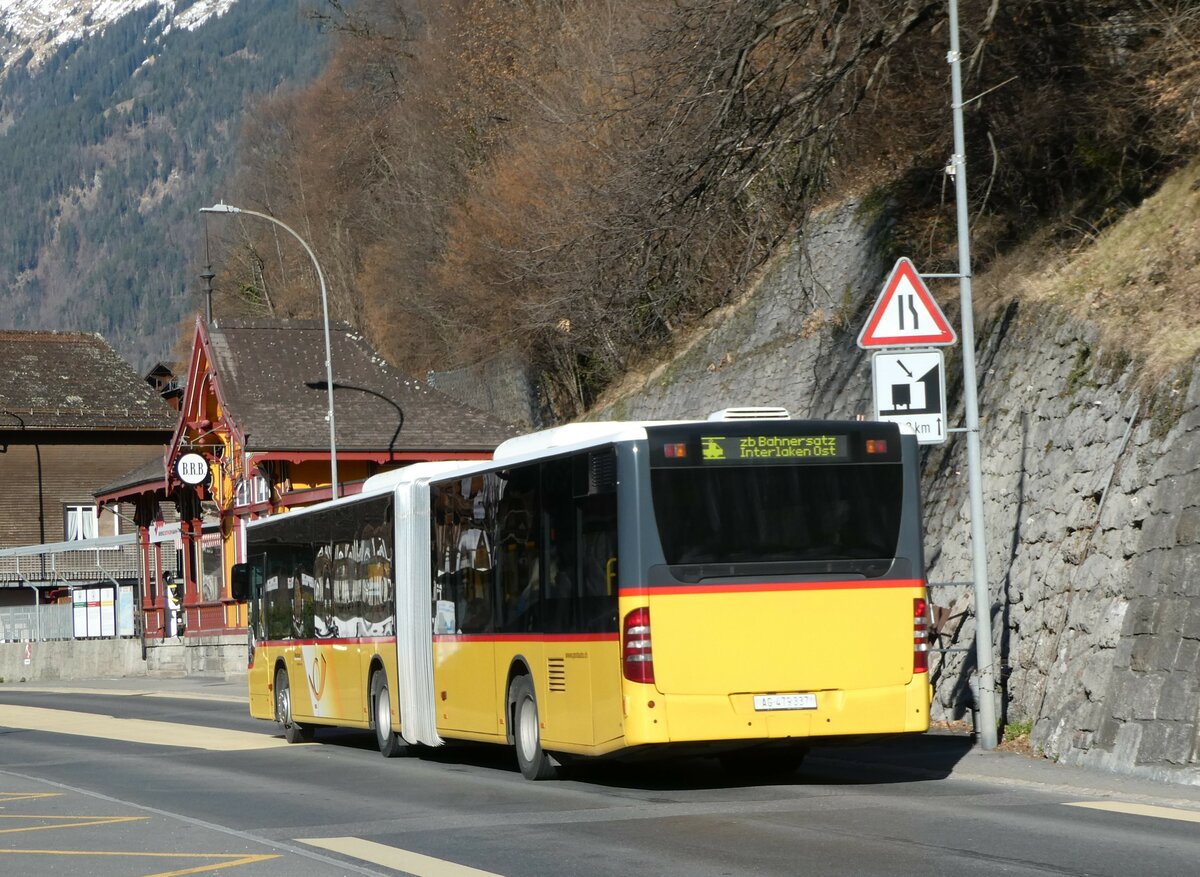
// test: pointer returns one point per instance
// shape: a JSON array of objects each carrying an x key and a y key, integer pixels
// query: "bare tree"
[{"x": 581, "y": 179}]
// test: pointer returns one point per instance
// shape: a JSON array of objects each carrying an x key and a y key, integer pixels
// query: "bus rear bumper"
[{"x": 845, "y": 713}]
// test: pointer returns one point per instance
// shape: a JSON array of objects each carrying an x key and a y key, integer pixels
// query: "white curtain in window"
[{"x": 81, "y": 522}]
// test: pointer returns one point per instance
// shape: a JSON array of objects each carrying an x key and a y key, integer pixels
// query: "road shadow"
[
  {"x": 899, "y": 760},
  {"x": 912, "y": 759},
  {"x": 907, "y": 760}
]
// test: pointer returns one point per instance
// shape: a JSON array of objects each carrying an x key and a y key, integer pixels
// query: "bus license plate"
[{"x": 785, "y": 702}]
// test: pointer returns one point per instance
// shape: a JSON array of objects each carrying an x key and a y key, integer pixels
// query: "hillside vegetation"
[
  {"x": 107, "y": 149},
  {"x": 581, "y": 182}
]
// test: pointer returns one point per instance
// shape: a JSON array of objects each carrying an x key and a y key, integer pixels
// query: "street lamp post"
[{"x": 227, "y": 208}]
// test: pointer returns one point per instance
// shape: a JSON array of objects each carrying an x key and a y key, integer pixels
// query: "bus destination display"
[{"x": 763, "y": 448}]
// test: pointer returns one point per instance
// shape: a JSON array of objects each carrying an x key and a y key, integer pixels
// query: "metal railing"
[
  {"x": 105, "y": 558},
  {"x": 109, "y": 563},
  {"x": 23, "y": 624}
]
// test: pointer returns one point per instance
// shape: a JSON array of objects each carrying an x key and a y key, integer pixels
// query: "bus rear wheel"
[
  {"x": 534, "y": 762},
  {"x": 390, "y": 743},
  {"x": 293, "y": 732}
]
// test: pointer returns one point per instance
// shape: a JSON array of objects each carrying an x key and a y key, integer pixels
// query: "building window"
[
  {"x": 113, "y": 519},
  {"x": 79, "y": 522},
  {"x": 212, "y": 568},
  {"x": 253, "y": 490}
]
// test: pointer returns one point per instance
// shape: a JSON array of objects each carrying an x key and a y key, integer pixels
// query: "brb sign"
[{"x": 192, "y": 469}]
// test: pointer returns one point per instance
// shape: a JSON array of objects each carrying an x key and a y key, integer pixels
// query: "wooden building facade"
[
  {"x": 73, "y": 416},
  {"x": 252, "y": 439}
]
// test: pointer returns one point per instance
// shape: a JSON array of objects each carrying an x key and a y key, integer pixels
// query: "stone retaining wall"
[{"x": 1092, "y": 497}]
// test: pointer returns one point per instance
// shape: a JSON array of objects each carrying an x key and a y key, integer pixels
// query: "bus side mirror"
[{"x": 239, "y": 582}]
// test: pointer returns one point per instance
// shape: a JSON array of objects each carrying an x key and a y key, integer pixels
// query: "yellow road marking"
[
  {"x": 25, "y": 796},
  {"x": 31, "y": 718},
  {"x": 1139, "y": 810},
  {"x": 82, "y": 822},
  {"x": 394, "y": 857},
  {"x": 235, "y": 859}
]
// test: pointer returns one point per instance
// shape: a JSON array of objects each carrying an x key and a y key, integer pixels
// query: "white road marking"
[
  {"x": 394, "y": 857},
  {"x": 31, "y": 718},
  {"x": 1139, "y": 810}
]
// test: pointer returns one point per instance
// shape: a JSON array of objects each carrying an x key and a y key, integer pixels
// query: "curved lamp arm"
[{"x": 228, "y": 208}]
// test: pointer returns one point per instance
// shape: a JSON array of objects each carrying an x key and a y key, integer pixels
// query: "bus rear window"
[{"x": 842, "y": 514}]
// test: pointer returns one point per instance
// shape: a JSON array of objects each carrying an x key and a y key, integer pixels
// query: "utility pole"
[{"x": 984, "y": 652}]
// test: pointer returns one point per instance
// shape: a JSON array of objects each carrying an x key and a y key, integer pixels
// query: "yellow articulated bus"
[{"x": 743, "y": 588}]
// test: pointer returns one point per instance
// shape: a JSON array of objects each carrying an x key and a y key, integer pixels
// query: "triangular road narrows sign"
[{"x": 906, "y": 314}]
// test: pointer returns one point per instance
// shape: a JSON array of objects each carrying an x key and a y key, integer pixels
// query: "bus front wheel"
[
  {"x": 534, "y": 762},
  {"x": 292, "y": 732},
  {"x": 390, "y": 743}
]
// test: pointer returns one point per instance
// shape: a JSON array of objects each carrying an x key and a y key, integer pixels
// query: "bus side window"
[
  {"x": 598, "y": 563},
  {"x": 518, "y": 564},
  {"x": 464, "y": 555},
  {"x": 276, "y": 603}
]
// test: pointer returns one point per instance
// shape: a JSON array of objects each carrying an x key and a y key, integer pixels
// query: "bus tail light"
[
  {"x": 920, "y": 635},
  {"x": 638, "y": 661}
]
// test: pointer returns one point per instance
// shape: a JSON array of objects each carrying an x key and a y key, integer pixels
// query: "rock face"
[{"x": 1091, "y": 497}]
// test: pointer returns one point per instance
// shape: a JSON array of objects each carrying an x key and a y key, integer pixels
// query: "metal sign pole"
[{"x": 983, "y": 605}]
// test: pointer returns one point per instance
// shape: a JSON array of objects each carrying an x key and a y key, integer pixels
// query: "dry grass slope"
[{"x": 1138, "y": 281}]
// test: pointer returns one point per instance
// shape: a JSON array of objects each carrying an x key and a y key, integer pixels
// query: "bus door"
[
  {"x": 339, "y": 637},
  {"x": 325, "y": 660},
  {"x": 464, "y": 605},
  {"x": 598, "y": 610},
  {"x": 579, "y": 608}
]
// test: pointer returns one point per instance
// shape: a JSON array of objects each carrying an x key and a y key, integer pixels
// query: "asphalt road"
[{"x": 141, "y": 777}]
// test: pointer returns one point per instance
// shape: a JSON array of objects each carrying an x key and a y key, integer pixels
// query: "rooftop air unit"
[{"x": 750, "y": 414}]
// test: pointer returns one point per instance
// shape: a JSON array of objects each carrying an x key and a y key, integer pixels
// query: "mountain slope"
[
  {"x": 111, "y": 138},
  {"x": 41, "y": 26}
]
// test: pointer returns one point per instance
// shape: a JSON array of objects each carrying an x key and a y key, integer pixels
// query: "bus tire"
[
  {"x": 534, "y": 762},
  {"x": 390, "y": 743},
  {"x": 293, "y": 732}
]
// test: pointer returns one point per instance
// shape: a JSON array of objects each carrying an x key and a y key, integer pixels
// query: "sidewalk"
[{"x": 206, "y": 687}]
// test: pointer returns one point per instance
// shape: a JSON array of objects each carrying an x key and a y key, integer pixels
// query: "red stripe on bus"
[{"x": 764, "y": 587}]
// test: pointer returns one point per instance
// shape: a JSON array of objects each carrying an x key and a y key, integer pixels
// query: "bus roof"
[
  {"x": 568, "y": 437},
  {"x": 564, "y": 439},
  {"x": 559, "y": 439}
]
